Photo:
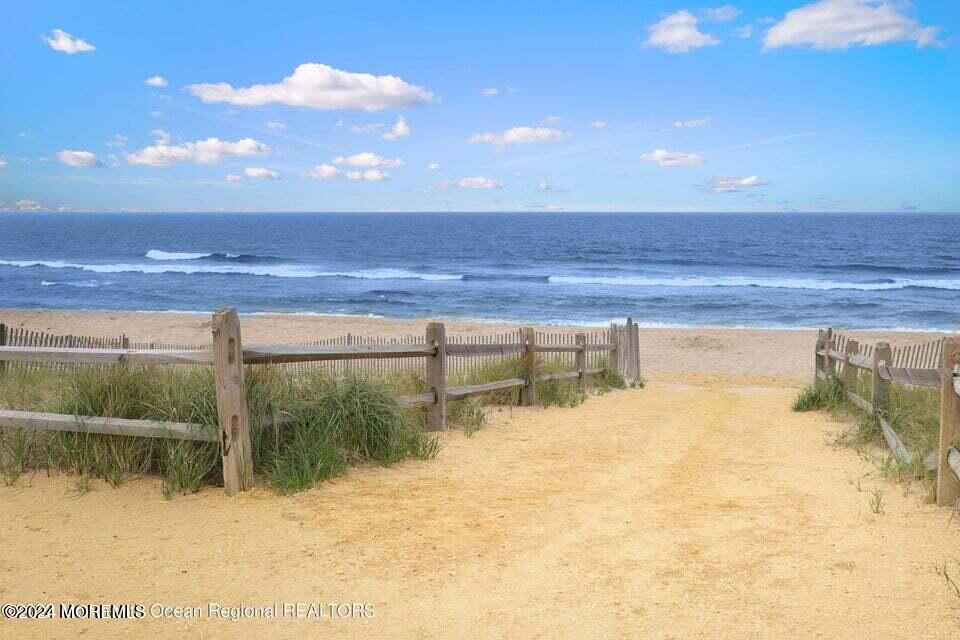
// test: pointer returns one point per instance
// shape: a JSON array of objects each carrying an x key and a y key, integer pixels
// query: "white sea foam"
[
  {"x": 277, "y": 271},
  {"x": 761, "y": 282},
  {"x": 156, "y": 254}
]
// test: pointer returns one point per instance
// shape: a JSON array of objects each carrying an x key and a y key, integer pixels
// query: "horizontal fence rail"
[
  {"x": 933, "y": 364},
  {"x": 438, "y": 360}
]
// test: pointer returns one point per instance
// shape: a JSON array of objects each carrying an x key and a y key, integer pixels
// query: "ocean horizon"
[{"x": 759, "y": 270}]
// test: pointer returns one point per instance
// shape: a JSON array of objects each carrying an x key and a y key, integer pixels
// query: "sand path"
[{"x": 693, "y": 508}]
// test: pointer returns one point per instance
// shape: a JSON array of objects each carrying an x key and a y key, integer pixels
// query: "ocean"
[{"x": 867, "y": 271}]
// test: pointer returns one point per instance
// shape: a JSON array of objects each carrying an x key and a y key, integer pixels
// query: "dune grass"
[
  {"x": 913, "y": 413},
  {"x": 304, "y": 428}
]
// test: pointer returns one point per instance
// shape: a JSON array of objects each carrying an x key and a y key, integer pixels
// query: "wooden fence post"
[
  {"x": 613, "y": 359},
  {"x": 880, "y": 392},
  {"x": 828, "y": 366},
  {"x": 948, "y": 486},
  {"x": 581, "y": 340},
  {"x": 528, "y": 394},
  {"x": 849, "y": 371},
  {"x": 635, "y": 352},
  {"x": 436, "y": 377},
  {"x": 817, "y": 360},
  {"x": 231, "y": 402},
  {"x": 629, "y": 373},
  {"x": 3, "y": 343}
]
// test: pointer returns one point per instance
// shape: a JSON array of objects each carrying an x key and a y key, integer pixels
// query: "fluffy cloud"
[
  {"x": 276, "y": 126},
  {"x": 672, "y": 158},
  {"x": 743, "y": 32},
  {"x": 368, "y": 159},
  {"x": 400, "y": 129},
  {"x": 261, "y": 173},
  {"x": 28, "y": 205},
  {"x": 678, "y": 33},
  {"x": 319, "y": 86},
  {"x": 838, "y": 24},
  {"x": 162, "y": 136},
  {"x": 232, "y": 177},
  {"x": 3, "y": 162},
  {"x": 519, "y": 135},
  {"x": 60, "y": 40},
  {"x": 489, "y": 91},
  {"x": 690, "y": 124},
  {"x": 207, "y": 151},
  {"x": 370, "y": 175},
  {"x": 433, "y": 166},
  {"x": 367, "y": 128},
  {"x": 78, "y": 158},
  {"x": 726, "y": 13},
  {"x": 546, "y": 187},
  {"x": 118, "y": 140},
  {"x": 598, "y": 124},
  {"x": 476, "y": 182},
  {"x": 726, "y": 184},
  {"x": 552, "y": 120},
  {"x": 156, "y": 81},
  {"x": 324, "y": 172}
]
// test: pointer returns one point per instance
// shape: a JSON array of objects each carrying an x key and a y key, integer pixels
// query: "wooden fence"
[
  {"x": 434, "y": 354},
  {"x": 933, "y": 364}
]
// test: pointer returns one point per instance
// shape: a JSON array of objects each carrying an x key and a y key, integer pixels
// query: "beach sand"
[
  {"x": 700, "y": 506},
  {"x": 771, "y": 352}
]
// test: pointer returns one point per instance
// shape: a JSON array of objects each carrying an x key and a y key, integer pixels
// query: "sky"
[{"x": 832, "y": 105}]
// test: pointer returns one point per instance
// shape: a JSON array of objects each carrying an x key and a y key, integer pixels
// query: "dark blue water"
[{"x": 763, "y": 270}]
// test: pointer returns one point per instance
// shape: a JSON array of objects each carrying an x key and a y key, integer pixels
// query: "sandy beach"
[
  {"x": 700, "y": 506},
  {"x": 770, "y": 352}
]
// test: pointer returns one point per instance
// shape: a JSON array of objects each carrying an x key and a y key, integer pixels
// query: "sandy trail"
[{"x": 701, "y": 508}]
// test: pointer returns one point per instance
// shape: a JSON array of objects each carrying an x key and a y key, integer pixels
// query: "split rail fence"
[
  {"x": 437, "y": 357},
  {"x": 934, "y": 364}
]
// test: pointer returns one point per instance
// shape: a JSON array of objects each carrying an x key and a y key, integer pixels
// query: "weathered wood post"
[
  {"x": 880, "y": 392},
  {"x": 231, "y": 402},
  {"x": 581, "y": 340},
  {"x": 3, "y": 343},
  {"x": 828, "y": 367},
  {"x": 528, "y": 394},
  {"x": 629, "y": 374},
  {"x": 613, "y": 357},
  {"x": 849, "y": 371},
  {"x": 436, "y": 377},
  {"x": 635, "y": 351},
  {"x": 948, "y": 486},
  {"x": 817, "y": 360}
]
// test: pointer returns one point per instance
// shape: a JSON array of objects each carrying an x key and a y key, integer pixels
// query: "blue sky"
[{"x": 847, "y": 105}]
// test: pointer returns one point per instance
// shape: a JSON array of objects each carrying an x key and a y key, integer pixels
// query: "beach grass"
[{"x": 305, "y": 428}]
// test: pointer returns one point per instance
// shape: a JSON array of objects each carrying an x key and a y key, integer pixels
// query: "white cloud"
[
  {"x": 156, "y": 81},
  {"x": 518, "y": 135},
  {"x": 369, "y": 175},
  {"x": 78, "y": 158},
  {"x": 678, "y": 33},
  {"x": 368, "y": 159},
  {"x": 28, "y": 205},
  {"x": 552, "y": 120},
  {"x": 672, "y": 158},
  {"x": 367, "y": 128},
  {"x": 319, "y": 86},
  {"x": 324, "y": 172},
  {"x": 232, "y": 177},
  {"x": 3, "y": 162},
  {"x": 598, "y": 124},
  {"x": 838, "y": 24},
  {"x": 726, "y": 184},
  {"x": 476, "y": 182},
  {"x": 207, "y": 151},
  {"x": 545, "y": 187},
  {"x": 162, "y": 136},
  {"x": 118, "y": 140},
  {"x": 490, "y": 91},
  {"x": 743, "y": 32},
  {"x": 276, "y": 126},
  {"x": 400, "y": 129},
  {"x": 690, "y": 124},
  {"x": 433, "y": 166},
  {"x": 60, "y": 40},
  {"x": 261, "y": 173},
  {"x": 726, "y": 13}
]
